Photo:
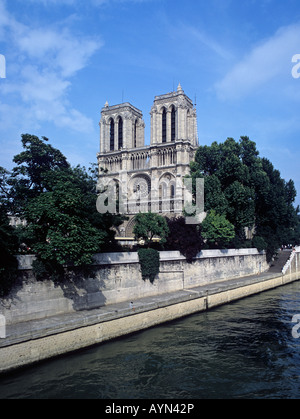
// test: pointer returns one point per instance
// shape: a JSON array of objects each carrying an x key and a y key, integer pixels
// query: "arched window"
[
  {"x": 112, "y": 135},
  {"x": 172, "y": 191},
  {"x": 162, "y": 191},
  {"x": 164, "y": 125},
  {"x": 172, "y": 197},
  {"x": 120, "y": 133},
  {"x": 173, "y": 124}
]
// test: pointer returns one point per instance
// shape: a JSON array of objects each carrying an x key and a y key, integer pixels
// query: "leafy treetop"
[{"x": 150, "y": 225}]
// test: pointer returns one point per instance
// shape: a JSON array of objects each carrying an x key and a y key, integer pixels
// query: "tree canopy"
[
  {"x": 58, "y": 203},
  {"x": 248, "y": 191},
  {"x": 217, "y": 230},
  {"x": 150, "y": 225},
  {"x": 30, "y": 176},
  {"x": 184, "y": 237}
]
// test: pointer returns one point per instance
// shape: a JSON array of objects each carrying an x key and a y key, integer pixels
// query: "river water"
[{"x": 245, "y": 349}]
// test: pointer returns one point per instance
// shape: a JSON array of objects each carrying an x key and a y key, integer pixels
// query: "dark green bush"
[
  {"x": 260, "y": 243},
  {"x": 184, "y": 237},
  {"x": 8, "y": 262},
  {"x": 149, "y": 261}
]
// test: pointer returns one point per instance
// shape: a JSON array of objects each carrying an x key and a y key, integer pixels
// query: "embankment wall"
[
  {"x": 53, "y": 338},
  {"x": 116, "y": 277}
]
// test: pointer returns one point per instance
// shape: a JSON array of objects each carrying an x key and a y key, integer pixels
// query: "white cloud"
[
  {"x": 44, "y": 61},
  {"x": 59, "y": 50},
  {"x": 271, "y": 60}
]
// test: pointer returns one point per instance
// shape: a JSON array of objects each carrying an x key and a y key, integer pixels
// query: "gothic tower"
[
  {"x": 173, "y": 117},
  {"x": 151, "y": 176}
]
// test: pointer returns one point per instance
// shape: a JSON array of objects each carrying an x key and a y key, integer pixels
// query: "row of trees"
[
  {"x": 243, "y": 193},
  {"x": 63, "y": 227},
  {"x": 58, "y": 203},
  {"x": 249, "y": 193}
]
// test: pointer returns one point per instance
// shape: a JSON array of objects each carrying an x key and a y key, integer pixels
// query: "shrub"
[
  {"x": 184, "y": 237},
  {"x": 149, "y": 261}
]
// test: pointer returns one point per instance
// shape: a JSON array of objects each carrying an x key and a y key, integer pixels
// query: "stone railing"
[
  {"x": 290, "y": 260},
  {"x": 119, "y": 258}
]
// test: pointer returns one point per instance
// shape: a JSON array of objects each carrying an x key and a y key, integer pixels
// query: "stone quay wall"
[
  {"x": 116, "y": 277},
  {"x": 34, "y": 341}
]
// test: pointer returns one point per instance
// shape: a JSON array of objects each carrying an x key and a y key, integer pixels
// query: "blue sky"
[{"x": 66, "y": 58}]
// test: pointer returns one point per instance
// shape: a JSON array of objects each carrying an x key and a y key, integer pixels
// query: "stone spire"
[{"x": 179, "y": 89}]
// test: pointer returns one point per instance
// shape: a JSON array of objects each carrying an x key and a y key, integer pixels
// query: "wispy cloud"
[
  {"x": 43, "y": 63},
  {"x": 271, "y": 60},
  {"x": 199, "y": 35}
]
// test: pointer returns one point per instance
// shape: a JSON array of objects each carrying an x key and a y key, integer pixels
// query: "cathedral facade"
[{"x": 150, "y": 177}]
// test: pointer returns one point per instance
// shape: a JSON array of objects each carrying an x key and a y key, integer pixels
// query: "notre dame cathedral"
[{"x": 151, "y": 176}]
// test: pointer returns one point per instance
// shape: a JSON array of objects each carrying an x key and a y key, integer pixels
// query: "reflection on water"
[{"x": 241, "y": 350}]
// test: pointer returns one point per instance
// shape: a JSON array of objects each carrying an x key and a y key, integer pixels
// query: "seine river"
[{"x": 245, "y": 349}]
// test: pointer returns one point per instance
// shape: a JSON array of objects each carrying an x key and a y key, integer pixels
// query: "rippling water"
[{"x": 241, "y": 350}]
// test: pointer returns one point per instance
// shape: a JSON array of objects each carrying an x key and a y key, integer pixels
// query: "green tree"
[
  {"x": 150, "y": 225},
  {"x": 30, "y": 176},
  {"x": 184, "y": 237},
  {"x": 60, "y": 223},
  {"x": 248, "y": 191},
  {"x": 241, "y": 205},
  {"x": 147, "y": 227},
  {"x": 59, "y": 205},
  {"x": 276, "y": 218},
  {"x": 217, "y": 230},
  {"x": 214, "y": 196},
  {"x": 8, "y": 249},
  {"x": 227, "y": 184}
]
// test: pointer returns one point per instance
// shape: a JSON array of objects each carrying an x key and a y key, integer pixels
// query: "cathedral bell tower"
[
  {"x": 150, "y": 176},
  {"x": 121, "y": 127},
  {"x": 173, "y": 117}
]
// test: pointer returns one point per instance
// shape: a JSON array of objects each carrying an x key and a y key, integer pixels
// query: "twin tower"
[{"x": 150, "y": 176}]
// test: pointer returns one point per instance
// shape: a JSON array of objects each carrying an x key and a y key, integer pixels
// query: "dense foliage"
[
  {"x": 149, "y": 226},
  {"x": 249, "y": 192},
  {"x": 217, "y": 230},
  {"x": 184, "y": 237},
  {"x": 149, "y": 261},
  {"x": 8, "y": 248},
  {"x": 58, "y": 203}
]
